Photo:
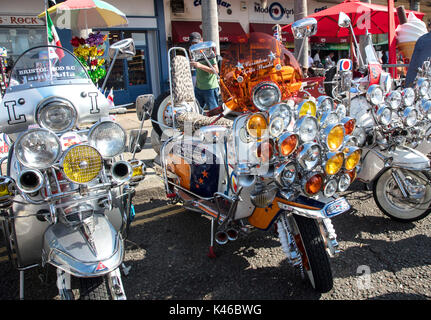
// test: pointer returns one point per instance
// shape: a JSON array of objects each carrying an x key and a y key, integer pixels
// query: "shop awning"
[
  {"x": 228, "y": 31},
  {"x": 288, "y": 37}
]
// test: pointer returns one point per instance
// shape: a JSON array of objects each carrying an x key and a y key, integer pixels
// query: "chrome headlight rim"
[
  {"x": 37, "y": 165},
  {"x": 325, "y": 104},
  {"x": 406, "y": 114},
  {"x": 307, "y": 177},
  {"x": 332, "y": 155},
  {"x": 304, "y": 150},
  {"x": 326, "y": 133},
  {"x": 422, "y": 86},
  {"x": 283, "y": 138},
  {"x": 68, "y": 150},
  {"x": 301, "y": 104},
  {"x": 343, "y": 178},
  {"x": 300, "y": 122},
  {"x": 328, "y": 118},
  {"x": 394, "y": 99},
  {"x": 61, "y": 101},
  {"x": 279, "y": 172},
  {"x": 380, "y": 113},
  {"x": 330, "y": 183},
  {"x": 265, "y": 86},
  {"x": 348, "y": 153},
  {"x": 386, "y": 81},
  {"x": 375, "y": 94},
  {"x": 92, "y": 141},
  {"x": 408, "y": 96},
  {"x": 425, "y": 107}
]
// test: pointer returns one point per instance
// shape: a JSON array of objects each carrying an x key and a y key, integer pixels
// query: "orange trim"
[
  {"x": 262, "y": 217},
  {"x": 295, "y": 204}
]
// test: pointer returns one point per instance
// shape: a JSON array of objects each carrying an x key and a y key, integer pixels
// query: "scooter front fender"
[
  {"x": 374, "y": 162},
  {"x": 74, "y": 251}
]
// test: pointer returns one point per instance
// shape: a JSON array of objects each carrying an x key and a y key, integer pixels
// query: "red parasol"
[{"x": 364, "y": 16}]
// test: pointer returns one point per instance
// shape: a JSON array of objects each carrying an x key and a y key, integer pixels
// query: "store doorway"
[{"x": 129, "y": 77}]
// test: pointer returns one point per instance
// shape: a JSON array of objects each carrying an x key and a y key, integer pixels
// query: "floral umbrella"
[{"x": 84, "y": 14}]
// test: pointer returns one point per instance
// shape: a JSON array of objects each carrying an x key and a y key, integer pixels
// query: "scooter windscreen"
[
  {"x": 45, "y": 65},
  {"x": 258, "y": 73}
]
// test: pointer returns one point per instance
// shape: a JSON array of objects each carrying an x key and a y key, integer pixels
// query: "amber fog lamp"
[
  {"x": 334, "y": 163},
  {"x": 335, "y": 137},
  {"x": 349, "y": 125},
  {"x": 353, "y": 156},
  {"x": 287, "y": 144},
  {"x": 257, "y": 125},
  {"x": 314, "y": 184},
  {"x": 307, "y": 107}
]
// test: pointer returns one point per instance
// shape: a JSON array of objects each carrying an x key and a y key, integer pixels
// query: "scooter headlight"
[
  {"x": 38, "y": 148},
  {"x": 344, "y": 182},
  {"x": 108, "y": 137},
  {"x": 349, "y": 125},
  {"x": 265, "y": 95},
  {"x": 334, "y": 136},
  {"x": 287, "y": 143},
  {"x": 285, "y": 174},
  {"x": 280, "y": 116},
  {"x": 325, "y": 104},
  {"x": 306, "y": 108},
  {"x": 410, "y": 116},
  {"x": 56, "y": 114},
  {"x": 334, "y": 163},
  {"x": 384, "y": 115},
  {"x": 353, "y": 156},
  {"x": 394, "y": 99},
  {"x": 422, "y": 87},
  {"x": 307, "y": 128},
  {"x": 82, "y": 163},
  {"x": 408, "y": 96},
  {"x": 425, "y": 107},
  {"x": 330, "y": 188},
  {"x": 375, "y": 95},
  {"x": 313, "y": 184},
  {"x": 360, "y": 135},
  {"x": 309, "y": 156}
]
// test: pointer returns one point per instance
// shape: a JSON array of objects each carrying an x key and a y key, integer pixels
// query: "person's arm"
[
  {"x": 420, "y": 54},
  {"x": 204, "y": 67}
]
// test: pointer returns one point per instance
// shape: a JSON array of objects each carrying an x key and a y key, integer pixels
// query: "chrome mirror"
[
  {"x": 201, "y": 50},
  {"x": 125, "y": 49},
  {"x": 343, "y": 20},
  {"x": 137, "y": 140},
  {"x": 144, "y": 106},
  {"x": 304, "y": 28}
]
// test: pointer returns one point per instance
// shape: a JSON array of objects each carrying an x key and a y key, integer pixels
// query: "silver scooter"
[{"x": 66, "y": 196}]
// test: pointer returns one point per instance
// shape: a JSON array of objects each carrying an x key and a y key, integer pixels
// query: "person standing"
[
  {"x": 329, "y": 63},
  {"x": 207, "y": 86},
  {"x": 420, "y": 54}
]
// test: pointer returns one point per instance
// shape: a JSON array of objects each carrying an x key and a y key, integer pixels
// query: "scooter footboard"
[{"x": 84, "y": 252}]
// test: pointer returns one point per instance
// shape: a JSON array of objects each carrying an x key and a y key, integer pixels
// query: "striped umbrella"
[{"x": 84, "y": 14}]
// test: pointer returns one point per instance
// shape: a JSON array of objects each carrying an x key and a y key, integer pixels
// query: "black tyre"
[
  {"x": 392, "y": 203},
  {"x": 94, "y": 289},
  {"x": 160, "y": 105},
  {"x": 314, "y": 257}
]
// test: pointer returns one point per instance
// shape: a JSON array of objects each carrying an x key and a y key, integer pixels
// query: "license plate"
[{"x": 336, "y": 207}]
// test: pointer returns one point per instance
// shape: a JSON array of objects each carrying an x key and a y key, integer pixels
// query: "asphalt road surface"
[{"x": 167, "y": 252}]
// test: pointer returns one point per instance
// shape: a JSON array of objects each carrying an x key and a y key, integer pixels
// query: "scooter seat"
[{"x": 195, "y": 121}]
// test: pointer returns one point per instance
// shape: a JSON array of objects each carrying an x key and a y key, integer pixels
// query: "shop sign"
[
  {"x": 21, "y": 21},
  {"x": 222, "y": 3}
]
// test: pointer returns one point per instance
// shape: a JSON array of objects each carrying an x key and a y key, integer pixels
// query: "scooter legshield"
[{"x": 74, "y": 251}]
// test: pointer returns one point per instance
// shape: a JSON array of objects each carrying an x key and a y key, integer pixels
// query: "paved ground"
[{"x": 167, "y": 247}]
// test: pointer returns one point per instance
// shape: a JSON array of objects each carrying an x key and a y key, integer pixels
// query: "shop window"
[
  {"x": 18, "y": 40},
  {"x": 136, "y": 68},
  {"x": 116, "y": 78}
]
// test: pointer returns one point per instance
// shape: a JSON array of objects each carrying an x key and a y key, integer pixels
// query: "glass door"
[{"x": 139, "y": 81}]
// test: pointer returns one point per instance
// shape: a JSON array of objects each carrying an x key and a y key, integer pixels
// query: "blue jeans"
[{"x": 207, "y": 97}]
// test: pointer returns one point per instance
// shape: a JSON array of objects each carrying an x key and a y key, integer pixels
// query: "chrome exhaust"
[
  {"x": 30, "y": 181},
  {"x": 232, "y": 234},
  {"x": 221, "y": 237},
  {"x": 121, "y": 171}
]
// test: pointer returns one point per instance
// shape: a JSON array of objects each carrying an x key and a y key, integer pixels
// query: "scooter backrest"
[{"x": 182, "y": 83}]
